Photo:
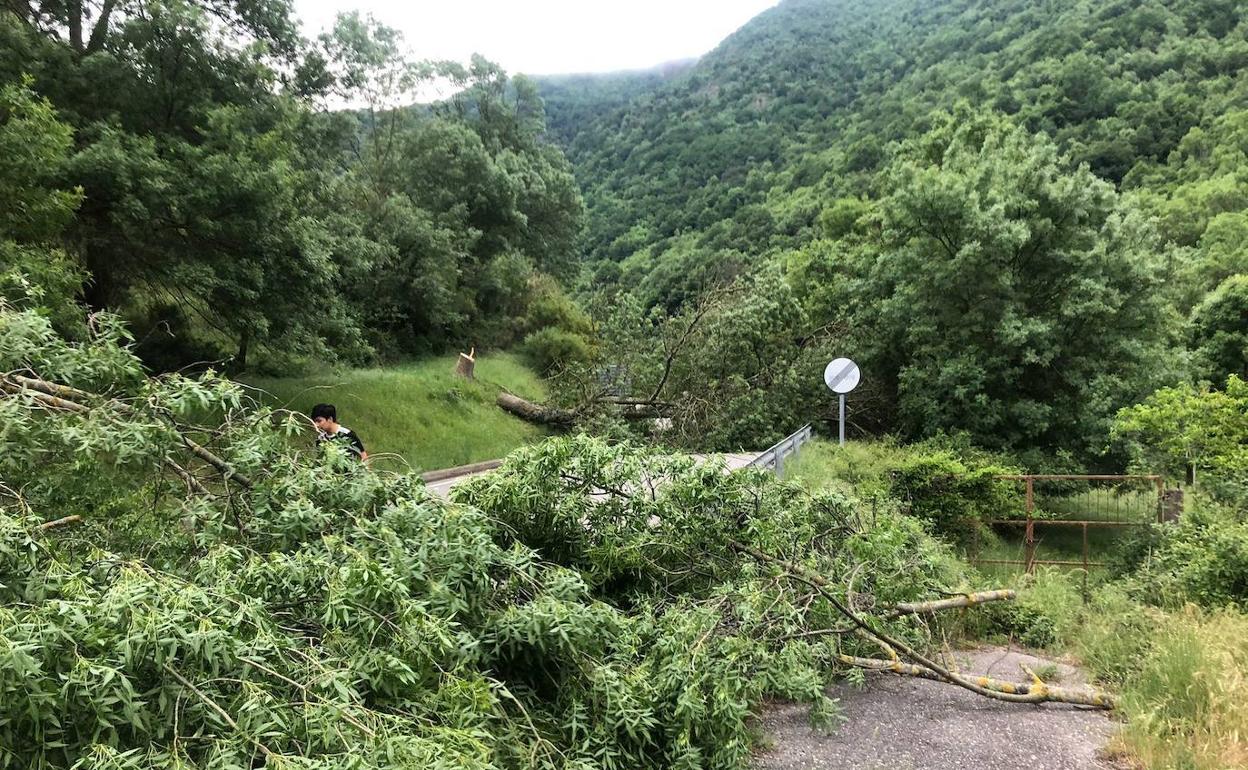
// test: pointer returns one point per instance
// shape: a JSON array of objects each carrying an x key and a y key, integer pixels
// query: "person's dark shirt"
[{"x": 343, "y": 437}]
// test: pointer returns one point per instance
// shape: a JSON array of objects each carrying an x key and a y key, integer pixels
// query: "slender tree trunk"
[
  {"x": 240, "y": 359},
  {"x": 97, "y": 291},
  {"x": 100, "y": 31}
]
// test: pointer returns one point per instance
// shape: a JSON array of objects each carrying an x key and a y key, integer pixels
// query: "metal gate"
[{"x": 1062, "y": 505}]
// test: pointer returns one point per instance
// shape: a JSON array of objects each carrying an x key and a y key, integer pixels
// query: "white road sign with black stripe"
[{"x": 842, "y": 375}]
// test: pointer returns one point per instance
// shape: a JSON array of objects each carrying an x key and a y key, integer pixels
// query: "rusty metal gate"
[{"x": 1071, "y": 504}]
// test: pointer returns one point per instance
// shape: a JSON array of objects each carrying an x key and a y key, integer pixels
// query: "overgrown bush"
[
  {"x": 1202, "y": 559},
  {"x": 552, "y": 349},
  {"x": 951, "y": 496}
]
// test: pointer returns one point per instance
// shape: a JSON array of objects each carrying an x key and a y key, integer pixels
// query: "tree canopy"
[{"x": 225, "y": 208}]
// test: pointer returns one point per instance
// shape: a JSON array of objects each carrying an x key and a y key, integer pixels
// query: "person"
[{"x": 325, "y": 418}]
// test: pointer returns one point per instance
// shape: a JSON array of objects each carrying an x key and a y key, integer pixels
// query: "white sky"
[{"x": 546, "y": 37}]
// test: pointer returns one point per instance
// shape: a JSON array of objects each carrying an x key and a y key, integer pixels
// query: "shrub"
[
  {"x": 1045, "y": 613},
  {"x": 551, "y": 349},
  {"x": 550, "y": 306},
  {"x": 860, "y": 467},
  {"x": 940, "y": 489},
  {"x": 1202, "y": 559}
]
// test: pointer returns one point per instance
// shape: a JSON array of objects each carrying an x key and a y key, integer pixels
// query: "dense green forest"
[
  {"x": 1016, "y": 215},
  {"x": 1019, "y": 217}
]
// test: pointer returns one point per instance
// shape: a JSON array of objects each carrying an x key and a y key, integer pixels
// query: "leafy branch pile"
[{"x": 228, "y": 600}]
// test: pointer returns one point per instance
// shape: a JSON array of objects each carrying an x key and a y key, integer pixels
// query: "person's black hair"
[{"x": 325, "y": 410}]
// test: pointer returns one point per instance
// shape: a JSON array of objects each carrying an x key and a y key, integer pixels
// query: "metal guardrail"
[{"x": 774, "y": 457}]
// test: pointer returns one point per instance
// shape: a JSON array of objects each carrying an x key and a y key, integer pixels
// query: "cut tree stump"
[{"x": 466, "y": 364}]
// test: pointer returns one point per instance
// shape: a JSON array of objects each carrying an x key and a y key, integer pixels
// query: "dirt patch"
[{"x": 900, "y": 723}]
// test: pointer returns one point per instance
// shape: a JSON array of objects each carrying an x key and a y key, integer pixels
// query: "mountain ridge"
[{"x": 810, "y": 93}]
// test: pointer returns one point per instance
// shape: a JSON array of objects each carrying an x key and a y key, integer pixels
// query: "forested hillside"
[
  {"x": 1027, "y": 221},
  {"x": 1019, "y": 217},
  {"x": 806, "y": 97},
  {"x": 572, "y": 102},
  {"x": 1009, "y": 210}
]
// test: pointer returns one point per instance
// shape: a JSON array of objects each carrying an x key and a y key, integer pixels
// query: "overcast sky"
[{"x": 545, "y": 37}]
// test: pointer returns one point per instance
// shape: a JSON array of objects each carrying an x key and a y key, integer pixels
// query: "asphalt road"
[{"x": 901, "y": 723}]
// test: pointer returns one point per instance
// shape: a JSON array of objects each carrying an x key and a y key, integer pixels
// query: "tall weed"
[{"x": 1187, "y": 707}]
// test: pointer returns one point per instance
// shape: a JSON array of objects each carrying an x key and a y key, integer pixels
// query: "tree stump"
[{"x": 466, "y": 364}]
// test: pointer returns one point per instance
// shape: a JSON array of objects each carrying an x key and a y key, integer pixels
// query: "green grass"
[
  {"x": 860, "y": 467},
  {"x": 1053, "y": 543},
  {"x": 419, "y": 414},
  {"x": 1187, "y": 705},
  {"x": 1098, "y": 503}
]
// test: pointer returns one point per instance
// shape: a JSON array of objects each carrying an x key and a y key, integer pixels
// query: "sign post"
[{"x": 841, "y": 376}]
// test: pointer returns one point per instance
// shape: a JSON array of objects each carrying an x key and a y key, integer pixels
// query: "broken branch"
[
  {"x": 967, "y": 600},
  {"x": 59, "y": 396},
  {"x": 1036, "y": 687},
  {"x": 1037, "y": 695},
  {"x": 61, "y": 522}
]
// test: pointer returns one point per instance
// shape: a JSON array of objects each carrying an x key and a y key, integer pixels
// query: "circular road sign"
[{"x": 842, "y": 375}]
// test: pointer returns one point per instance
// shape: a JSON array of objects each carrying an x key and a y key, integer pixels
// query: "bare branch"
[
  {"x": 1036, "y": 695},
  {"x": 61, "y": 522}
]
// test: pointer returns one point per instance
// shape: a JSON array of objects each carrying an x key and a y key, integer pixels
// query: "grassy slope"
[{"x": 420, "y": 411}]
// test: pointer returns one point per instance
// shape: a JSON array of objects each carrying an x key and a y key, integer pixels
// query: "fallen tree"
[
  {"x": 1036, "y": 691},
  {"x": 535, "y": 413},
  {"x": 925, "y": 666},
  {"x": 585, "y": 603}
]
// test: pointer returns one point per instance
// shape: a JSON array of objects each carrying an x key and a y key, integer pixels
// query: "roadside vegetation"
[{"x": 1163, "y": 627}]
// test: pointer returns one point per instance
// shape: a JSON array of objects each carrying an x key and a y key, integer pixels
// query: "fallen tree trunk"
[
  {"x": 1036, "y": 687},
  {"x": 535, "y": 413}
]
